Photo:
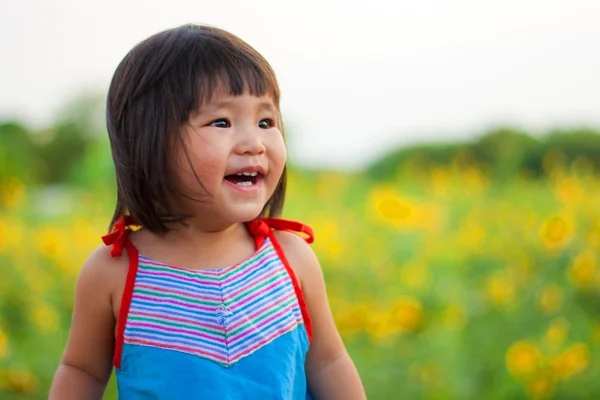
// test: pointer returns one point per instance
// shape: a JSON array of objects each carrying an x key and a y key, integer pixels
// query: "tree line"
[{"x": 75, "y": 151}]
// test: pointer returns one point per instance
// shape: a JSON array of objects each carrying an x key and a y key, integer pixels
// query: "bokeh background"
[{"x": 447, "y": 155}]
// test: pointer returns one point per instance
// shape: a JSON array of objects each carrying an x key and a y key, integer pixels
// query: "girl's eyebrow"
[
  {"x": 267, "y": 106},
  {"x": 216, "y": 106}
]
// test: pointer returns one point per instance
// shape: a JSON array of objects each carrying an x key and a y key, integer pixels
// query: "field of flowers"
[{"x": 444, "y": 285}]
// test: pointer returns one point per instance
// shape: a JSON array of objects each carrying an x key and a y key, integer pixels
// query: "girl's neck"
[
  {"x": 203, "y": 232},
  {"x": 194, "y": 246}
]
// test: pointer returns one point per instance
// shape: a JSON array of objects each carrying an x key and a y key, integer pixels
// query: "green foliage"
[
  {"x": 17, "y": 157},
  {"x": 52, "y": 155},
  {"x": 95, "y": 167},
  {"x": 75, "y": 151},
  {"x": 62, "y": 152},
  {"x": 507, "y": 151},
  {"x": 576, "y": 145},
  {"x": 414, "y": 157},
  {"x": 502, "y": 153}
]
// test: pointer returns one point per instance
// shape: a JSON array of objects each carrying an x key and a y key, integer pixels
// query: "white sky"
[{"x": 357, "y": 77}]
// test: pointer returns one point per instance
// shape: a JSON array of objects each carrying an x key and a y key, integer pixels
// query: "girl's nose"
[{"x": 250, "y": 141}]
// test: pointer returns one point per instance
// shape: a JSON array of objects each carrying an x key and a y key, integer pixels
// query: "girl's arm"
[
  {"x": 330, "y": 371},
  {"x": 87, "y": 361}
]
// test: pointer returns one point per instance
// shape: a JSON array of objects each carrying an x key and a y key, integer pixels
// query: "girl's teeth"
[
  {"x": 247, "y": 174},
  {"x": 244, "y": 183}
]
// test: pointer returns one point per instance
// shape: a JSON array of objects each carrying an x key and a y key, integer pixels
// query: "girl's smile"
[{"x": 246, "y": 180}]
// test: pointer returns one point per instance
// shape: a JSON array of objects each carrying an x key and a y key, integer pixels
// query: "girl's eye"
[
  {"x": 220, "y": 123},
  {"x": 266, "y": 123}
]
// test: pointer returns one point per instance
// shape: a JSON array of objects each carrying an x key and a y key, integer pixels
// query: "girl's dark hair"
[{"x": 155, "y": 88}]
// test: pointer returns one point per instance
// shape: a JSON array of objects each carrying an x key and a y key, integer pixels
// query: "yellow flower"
[
  {"x": 352, "y": 320},
  {"x": 474, "y": 180},
  {"x": 380, "y": 325},
  {"x": 19, "y": 381},
  {"x": 551, "y": 299},
  {"x": 593, "y": 235},
  {"x": 85, "y": 236},
  {"x": 440, "y": 182},
  {"x": 46, "y": 318},
  {"x": 472, "y": 233},
  {"x": 556, "y": 232},
  {"x": 568, "y": 190},
  {"x": 390, "y": 207},
  {"x": 541, "y": 386},
  {"x": 3, "y": 235},
  {"x": 582, "y": 272},
  {"x": 501, "y": 289},
  {"x": 407, "y": 313},
  {"x": 12, "y": 193},
  {"x": 523, "y": 358},
  {"x": 328, "y": 243},
  {"x": 48, "y": 241},
  {"x": 572, "y": 361},
  {"x": 3, "y": 345},
  {"x": 11, "y": 234},
  {"x": 557, "y": 332},
  {"x": 402, "y": 213}
]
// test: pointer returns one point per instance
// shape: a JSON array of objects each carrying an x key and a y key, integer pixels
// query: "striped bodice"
[
  {"x": 221, "y": 314},
  {"x": 239, "y": 332}
]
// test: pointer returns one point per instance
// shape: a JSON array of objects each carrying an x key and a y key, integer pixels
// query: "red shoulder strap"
[
  {"x": 292, "y": 226},
  {"x": 118, "y": 239},
  {"x": 263, "y": 228}
]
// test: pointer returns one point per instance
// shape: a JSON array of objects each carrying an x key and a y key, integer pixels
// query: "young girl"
[{"x": 199, "y": 292}]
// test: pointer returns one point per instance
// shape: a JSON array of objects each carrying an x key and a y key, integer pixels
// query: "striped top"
[
  {"x": 239, "y": 332},
  {"x": 220, "y": 314}
]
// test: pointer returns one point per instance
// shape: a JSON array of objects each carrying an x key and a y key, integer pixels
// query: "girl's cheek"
[{"x": 278, "y": 148}]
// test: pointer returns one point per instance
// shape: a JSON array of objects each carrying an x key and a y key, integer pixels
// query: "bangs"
[
  {"x": 228, "y": 65},
  {"x": 221, "y": 77}
]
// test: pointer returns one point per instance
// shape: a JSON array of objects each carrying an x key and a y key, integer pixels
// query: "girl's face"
[{"x": 237, "y": 152}]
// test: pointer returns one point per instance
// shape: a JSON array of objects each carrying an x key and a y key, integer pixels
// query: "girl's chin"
[{"x": 238, "y": 213}]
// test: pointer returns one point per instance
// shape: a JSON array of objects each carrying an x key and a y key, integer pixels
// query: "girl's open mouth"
[{"x": 244, "y": 178}]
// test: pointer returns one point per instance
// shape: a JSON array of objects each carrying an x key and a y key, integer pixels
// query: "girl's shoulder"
[
  {"x": 295, "y": 247},
  {"x": 299, "y": 253},
  {"x": 103, "y": 260},
  {"x": 103, "y": 273}
]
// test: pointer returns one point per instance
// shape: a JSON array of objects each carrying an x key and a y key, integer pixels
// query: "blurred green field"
[{"x": 444, "y": 284}]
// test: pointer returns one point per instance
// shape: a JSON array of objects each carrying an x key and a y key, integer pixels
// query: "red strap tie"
[
  {"x": 117, "y": 238},
  {"x": 259, "y": 228},
  {"x": 262, "y": 227}
]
